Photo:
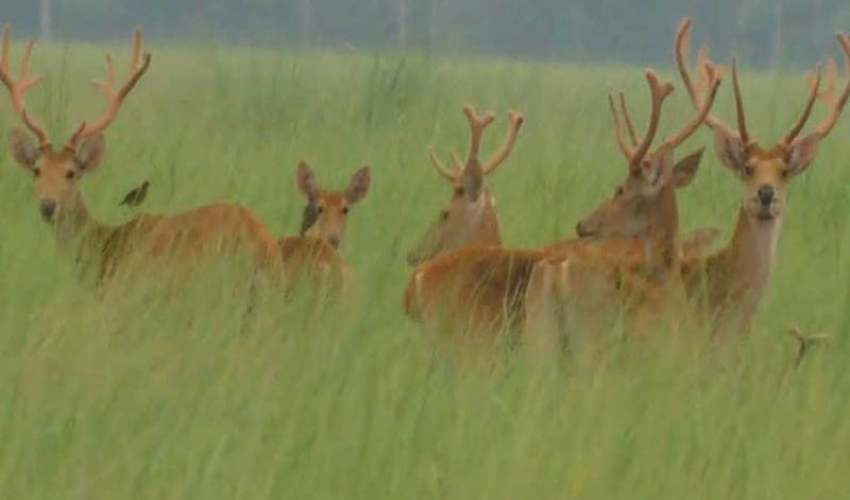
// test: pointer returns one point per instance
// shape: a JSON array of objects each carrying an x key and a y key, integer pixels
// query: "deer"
[
  {"x": 483, "y": 288},
  {"x": 728, "y": 286},
  {"x": 211, "y": 229},
  {"x": 469, "y": 218},
  {"x": 314, "y": 254},
  {"x": 581, "y": 284}
]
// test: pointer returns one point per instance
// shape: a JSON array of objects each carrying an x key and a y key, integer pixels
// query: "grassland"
[{"x": 136, "y": 395}]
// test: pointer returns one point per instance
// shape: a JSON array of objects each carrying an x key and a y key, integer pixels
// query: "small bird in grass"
[{"x": 136, "y": 196}]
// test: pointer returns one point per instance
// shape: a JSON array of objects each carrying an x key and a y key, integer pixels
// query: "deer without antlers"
[
  {"x": 732, "y": 281},
  {"x": 313, "y": 255},
  {"x": 568, "y": 290},
  {"x": 214, "y": 228}
]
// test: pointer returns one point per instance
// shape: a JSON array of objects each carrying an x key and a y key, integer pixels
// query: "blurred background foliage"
[{"x": 762, "y": 32}]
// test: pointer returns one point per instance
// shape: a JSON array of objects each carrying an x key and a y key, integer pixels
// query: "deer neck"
[
  {"x": 661, "y": 242},
  {"x": 752, "y": 251},
  {"x": 484, "y": 224},
  {"x": 77, "y": 232}
]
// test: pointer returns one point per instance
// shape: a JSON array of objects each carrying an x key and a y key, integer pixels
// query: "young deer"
[
  {"x": 469, "y": 218},
  {"x": 313, "y": 254},
  {"x": 571, "y": 290},
  {"x": 209, "y": 229},
  {"x": 730, "y": 283}
]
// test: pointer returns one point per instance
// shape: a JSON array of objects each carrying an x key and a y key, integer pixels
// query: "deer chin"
[{"x": 762, "y": 213}]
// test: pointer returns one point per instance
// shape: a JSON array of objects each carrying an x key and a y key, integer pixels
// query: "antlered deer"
[
  {"x": 729, "y": 285},
  {"x": 313, "y": 255},
  {"x": 483, "y": 288},
  {"x": 215, "y": 228},
  {"x": 470, "y": 217},
  {"x": 572, "y": 289}
]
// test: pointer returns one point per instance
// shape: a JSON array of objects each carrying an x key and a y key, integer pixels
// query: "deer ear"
[
  {"x": 801, "y": 155},
  {"x": 473, "y": 180},
  {"x": 358, "y": 186},
  {"x": 686, "y": 169},
  {"x": 730, "y": 149},
  {"x": 24, "y": 150},
  {"x": 90, "y": 153},
  {"x": 306, "y": 180}
]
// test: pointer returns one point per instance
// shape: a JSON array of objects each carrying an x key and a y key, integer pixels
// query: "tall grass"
[{"x": 134, "y": 394}]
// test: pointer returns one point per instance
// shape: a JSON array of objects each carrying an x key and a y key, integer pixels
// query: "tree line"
[{"x": 762, "y": 32}]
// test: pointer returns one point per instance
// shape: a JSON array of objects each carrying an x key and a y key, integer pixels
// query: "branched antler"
[
  {"x": 697, "y": 92},
  {"x": 835, "y": 104},
  {"x": 516, "y": 121},
  {"x": 637, "y": 152},
  {"x": 139, "y": 63},
  {"x": 713, "y": 83},
  {"x": 477, "y": 124},
  {"x": 658, "y": 93},
  {"x": 17, "y": 88}
]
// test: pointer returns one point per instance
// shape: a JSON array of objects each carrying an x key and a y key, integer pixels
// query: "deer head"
[
  {"x": 646, "y": 195},
  {"x": 469, "y": 217},
  {"x": 56, "y": 171},
  {"x": 326, "y": 213},
  {"x": 765, "y": 172}
]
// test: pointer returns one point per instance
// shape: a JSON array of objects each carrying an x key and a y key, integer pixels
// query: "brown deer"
[
  {"x": 470, "y": 216},
  {"x": 729, "y": 285},
  {"x": 483, "y": 288},
  {"x": 215, "y": 228},
  {"x": 313, "y": 255},
  {"x": 570, "y": 290}
]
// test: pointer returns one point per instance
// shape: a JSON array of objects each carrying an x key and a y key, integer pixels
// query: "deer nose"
[
  {"x": 765, "y": 194},
  {"x": 334, "y": 240},
  {"x": 47, "y": 208}
]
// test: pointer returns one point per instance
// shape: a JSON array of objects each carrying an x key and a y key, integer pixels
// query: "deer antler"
[
  {"x": 442, "y": 170},
  {"x": 814, "y": 85},
  {"x": 834, "y": 104},
  {"x": 658, "y": 92},
  {"x": 683, "y": 36},
  {"x": 714, "y": 80},
  {"x": 477, "y": 124},
  {"x": 116, "y": 96},
  {"x": 516, "y": 120},
  {"x": 17, "y": 88},
  {"x": 628, "y": 120}
]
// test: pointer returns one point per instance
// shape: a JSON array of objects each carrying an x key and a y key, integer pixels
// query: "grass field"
[{"x": 135, "y": 395}]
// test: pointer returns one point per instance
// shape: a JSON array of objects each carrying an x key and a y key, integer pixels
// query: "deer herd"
[{"x": 628, "y": 261}]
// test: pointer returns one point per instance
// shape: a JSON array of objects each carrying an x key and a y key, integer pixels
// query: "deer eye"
[
  {"x": 320, "y": 209},
  {"x": 345, "y": 210},
  {"x": 785, "y": 173},
  {"x": 70, "y": 174},
  {"x": 619, "y": 191},
  {"x": 748, "y": 171},
  {"x": 36, "y": 172},
  {"x": 459, "y": 191},
  {"x": 444, "y": 215}
]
